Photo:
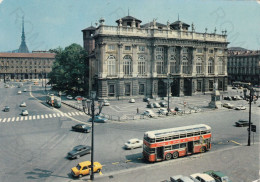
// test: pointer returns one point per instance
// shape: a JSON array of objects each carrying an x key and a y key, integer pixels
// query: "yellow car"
[{"x": 84, "y": 168}]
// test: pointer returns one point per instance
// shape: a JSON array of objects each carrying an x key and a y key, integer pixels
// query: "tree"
[{"x": 69, "y": 69}]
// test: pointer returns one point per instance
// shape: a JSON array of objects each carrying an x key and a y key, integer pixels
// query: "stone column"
[
  {"x": 180, "y": 59},
  {"x": 120, "y": 61},
  {"x": 225, "y": 61},
  {"x": 181, "y": 87},
  {"x": 102, "y": 67},
  {"x": 205, "y": 65},
  {"x": 167, "y": 60},
  {"x": 135, "y": 61},
  {"x": 215, "y": 62},
  {"x": 193, "y": 57},
  {"x": 153, "y": 61}
]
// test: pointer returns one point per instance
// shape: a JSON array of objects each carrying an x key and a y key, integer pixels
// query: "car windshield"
[
  {"x": 78, "y": 167},
  {"x": 242, "y": 121}
]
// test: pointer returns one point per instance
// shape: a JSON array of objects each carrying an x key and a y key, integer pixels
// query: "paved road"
[{"x": 35, "y": 150}]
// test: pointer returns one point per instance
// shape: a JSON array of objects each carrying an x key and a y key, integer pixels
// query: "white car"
[
  {"x": 131, "y": 101},
  {"x": 238, "y": 97},
  {"x": 179, "y": 178},
  {"x": 198, "y": 177},
  {"x": 69, "y": 97},
  {"x": 156, "y": 105},
  {"x": 133, "y": 143},
  {"x": 24, "y": 113},
  {"x": 25, "y": 90},
  {"x": 163, "y": 111},
  {"x": 23, "y": 104},
  {"x": 240, "y": 107},
  {"x": 149, "y": 113},
  {"x": 106, "y": 103},
  {"x": 19, "y": 92},
  {"x": 228, "y": 105}
]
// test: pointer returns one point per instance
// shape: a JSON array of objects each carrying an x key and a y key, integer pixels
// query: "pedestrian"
[
  {"x": 222, "y": 96},
  {"x": 137, "y": 110}
]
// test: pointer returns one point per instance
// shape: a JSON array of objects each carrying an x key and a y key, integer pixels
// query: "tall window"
[
  {"x": 141, "y": 48},
  {"x": 173, "y": 68},
  {"x": 111, "y": 90},
  {"x": 159, "y": 67},
  {"x": 159, "y": 50},
  {"x": 141, "y": 65},
  {"x": 111, "y": 65},
  {"x": 111, "y": 47},
  {"x": 127, "y": 65},
  {"x": 220, "y": 66},
  {"x": 211, "y": 66},
  {"x": 199, "y": 66},
  {"x": 141, "y": 89},
  {"x": 185, "y": 67},
  {"x": 127, "y": 89}
]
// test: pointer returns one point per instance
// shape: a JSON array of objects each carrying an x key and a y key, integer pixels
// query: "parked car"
[
  {"x": 240, "y": 107},
  {"x": 149, "y": 113},
  {"x": 6, "y": 109},
  {"x": 163, "y": 104},
  {"x": 238, "y": 97},
  {"x": 218, "y": 176},
  {"x": 99, "y": 119},
  {"x": 106, "y": 103},
  {"x": 79, "y": 151},
  {"x": 228, "y": 105},
  {"x": 234, "y": 88},
  {"x": 156, "y": 105},
  {"x": 163, "y": 111},
  {"x": 6, "y": 86},
  {"x": 242, "y": 122},
  {"x": 78, "y": 98},
  {"x": 146, "y": 99},
  {"x": 25, "y": 90},
  {"x": 199, "y": 177},
  {"x": 131, "y": 101},
  {"x": 19, "y": 92},
  {"x": 177, "y": 109},
  {"x": 69, "y": 97},
  {"x": 227, "y": 98},
  {"x": 23, "y": 104},
  {"x": 83, "y": 168},
  {"x": 25, "y": 113},
  {"x": 149, "y": 105},
  {"x": 133, "y": 143},
  {"x": 180, "y": 178},
  {"x": 81, "y": 128}
]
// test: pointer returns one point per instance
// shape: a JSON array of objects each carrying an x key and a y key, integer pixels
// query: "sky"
[{"x": 53, "y": 23}]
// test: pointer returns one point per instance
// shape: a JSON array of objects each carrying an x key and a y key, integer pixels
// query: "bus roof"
[{"x": 178, "y": 130}]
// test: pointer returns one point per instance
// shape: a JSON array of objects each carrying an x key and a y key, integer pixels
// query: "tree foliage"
[{"x": 69, "y": 69}]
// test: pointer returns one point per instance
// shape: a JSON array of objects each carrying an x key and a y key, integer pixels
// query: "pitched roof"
[
  {"x": 27, "y": 55},
  {"x": 128, "y": 18}
]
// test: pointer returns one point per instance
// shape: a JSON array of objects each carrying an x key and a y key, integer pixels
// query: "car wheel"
[
  {"x": 168, "y": 156},
  {"x": 175, "y": 155},
  {"x": 203, "y": 149},
  {"x": 80, "y": 176},
  {"x": 98, "y": 170},
  {"x": 78, "y": 156}
]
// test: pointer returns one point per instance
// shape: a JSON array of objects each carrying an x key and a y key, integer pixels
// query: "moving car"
[
  {"x": 163, "y": 111},
  {"x": 242, "y": 122},
  {"x": 149, "y": 105},
  {"x": 81, "y": 128},
  {"x": 106, "y": 103},
  {"x": 25, "y": 113},
  {"x": 228, "y": 105},
  {"x": 79, "y": 151},
  {"x": 227, "y": 98},
  {"x": 218, "y": 176},
  {"x": 180, "y": 178},
  {"x": 69, "y": 97},
  {"x": 133, "y": 143},
  {"x": 156, "y": 105},
  {"x": 99, "y": 119},
  {"x": 149, "y": 113},
  {"x": 146, "y": 99},
  {"x": 163, "y": 104},
  {"x": 19, "y": 92},
  {"x": 199, "y": 177},
  {"x": 131, "y": 101},
  {"x": 6, "y": 109},
  {"x": 23, "y": 104},
  {"x": 240, "y": 107},
  {"x": 83, "y": 168},
  {"x": 177, "y": 109}
]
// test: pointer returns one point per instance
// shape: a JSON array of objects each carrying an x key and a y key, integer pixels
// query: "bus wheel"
[
  {"x": 203, "y": 149},
  {"x": 168, "y": 156},
  {"x": 80, "y": 176},
  {"x": 175, "y": 155}
]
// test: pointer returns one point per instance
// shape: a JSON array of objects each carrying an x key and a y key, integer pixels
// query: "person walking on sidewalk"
[{"x": 137, "y": 110}]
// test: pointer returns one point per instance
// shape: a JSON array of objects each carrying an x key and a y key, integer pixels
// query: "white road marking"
[
  {"x": 21, "y": 118},
  {"x": 42, "y": 116},
  {"x": 65, "y": 114},
  {"x": 54, "y": 115},
  {"x": 58, "y": 114},
  {"x": 46, "y": 116},
  {"x": 62, "y": 114},
  {"x": 26, "y": 117},
  {"x": 58, "y": 141},
  {"x": 4, "y": 120},
  {"x": 13, "y": 118},
  {"x": 38, "y": 116},
  {"x": 0, "y": 120},
  {"x": 30, "y": 117},
  {"x": 34, "y": 117},
  {"x": 76, "y": 113},
  {"x": 9, "y": 119},
  {"x": 81, "y": 113},
  {"x": 50, "y": 115},
  {"x": 72, "y": 113},
  {"x": 69, "y": 114},
  {"x": 17, "y": 119}
]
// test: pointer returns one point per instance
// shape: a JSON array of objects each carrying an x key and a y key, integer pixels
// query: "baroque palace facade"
[
  {"x": 244, "y": 66},
  {"x": 133, "y": 60}
]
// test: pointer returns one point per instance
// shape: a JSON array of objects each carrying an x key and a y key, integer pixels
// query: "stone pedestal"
[{"x": 215, "y": 100}]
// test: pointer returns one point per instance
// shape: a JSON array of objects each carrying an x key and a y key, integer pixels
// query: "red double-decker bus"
[{"x": 171, "y": 143}]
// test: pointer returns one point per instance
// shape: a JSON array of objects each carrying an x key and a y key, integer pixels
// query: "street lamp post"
[
  {"x": 93, "y": 96},
  {"x": 168, "y": 92}
]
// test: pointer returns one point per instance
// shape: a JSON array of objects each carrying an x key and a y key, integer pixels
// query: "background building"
[
  {"x": 133, "y": 60},
  {"x": 244, "y": 66}
]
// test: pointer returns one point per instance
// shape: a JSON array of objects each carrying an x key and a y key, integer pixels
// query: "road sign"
[{"x": 253, "y": 128}]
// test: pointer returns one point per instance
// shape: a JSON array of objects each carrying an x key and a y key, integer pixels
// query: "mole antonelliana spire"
[{"x": 23, "y": 47}]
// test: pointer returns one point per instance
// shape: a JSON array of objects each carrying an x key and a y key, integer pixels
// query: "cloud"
[
  {"x": 258, "y": 1},
  {"x": 1, "y": 1}
]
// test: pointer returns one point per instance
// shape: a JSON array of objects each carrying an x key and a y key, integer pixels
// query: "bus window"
[
  {"x": 168, "y": 138},
  {"x": 167, "y": 148},
  {"x": 182, "y": 145},
  {"x": 175, "y": 136},
  {"x": 189, "y": 134},
  {"x": 197, "y": 142},
  {"x": 182, "y": 135},
  {"x": 175, "y": 146},
  {"x": 203, "y": 132},
  {"x": 159, "y": 139},
  {"x": 196, "y": 133}
]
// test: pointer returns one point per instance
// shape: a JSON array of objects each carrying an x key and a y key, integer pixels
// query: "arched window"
[
  {"x": 211, "y": 66},
  {"x": 173, "y": 66},
  {"x": 159, "y": 67},
  {"x": 127, "y": 65},
  {"x": 111, "y": 65},
  {"x": 185, "y": 67},
  {"x": 220, "y": 66},
  {"x": 199, "y": 65},
  {"x": 141, "y": 65}
]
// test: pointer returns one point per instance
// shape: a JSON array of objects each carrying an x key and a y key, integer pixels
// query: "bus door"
[
  {"x": 159, "y": 153},
  {"x": 190, "y": 147}
]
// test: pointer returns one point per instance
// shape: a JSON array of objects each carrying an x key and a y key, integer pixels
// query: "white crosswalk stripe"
[
  {"x": 26, "y": 117},
  {"x": 0, "y": 120},
  {"x": 13, "y": 118},
  {"x": 81, "y": 113},
  {"x": 65, "y": 114},
  {"x": 62, "y": 114},
  {"x": 54, "y": 115},
  {"x": 38, "y": 116},
  {"x": 46, "y": 116},
  {"x": 58, "y": 114},
  {"x": 50, "y": 115},
  {"x": 21, "y": 119},
  {"x": 17, "y": 119},
  {"x": 68, "y": 114},
  {"x": 30, "y": 117},
  {"x": 4, "y": 120},
  {"x": 76, "y": 113},
  {"x": 9, "y": 119},
  {"x": 42, "y": 116},
  {"x": 34, "y": 117},
  {"x": 72, "y": 114}
]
